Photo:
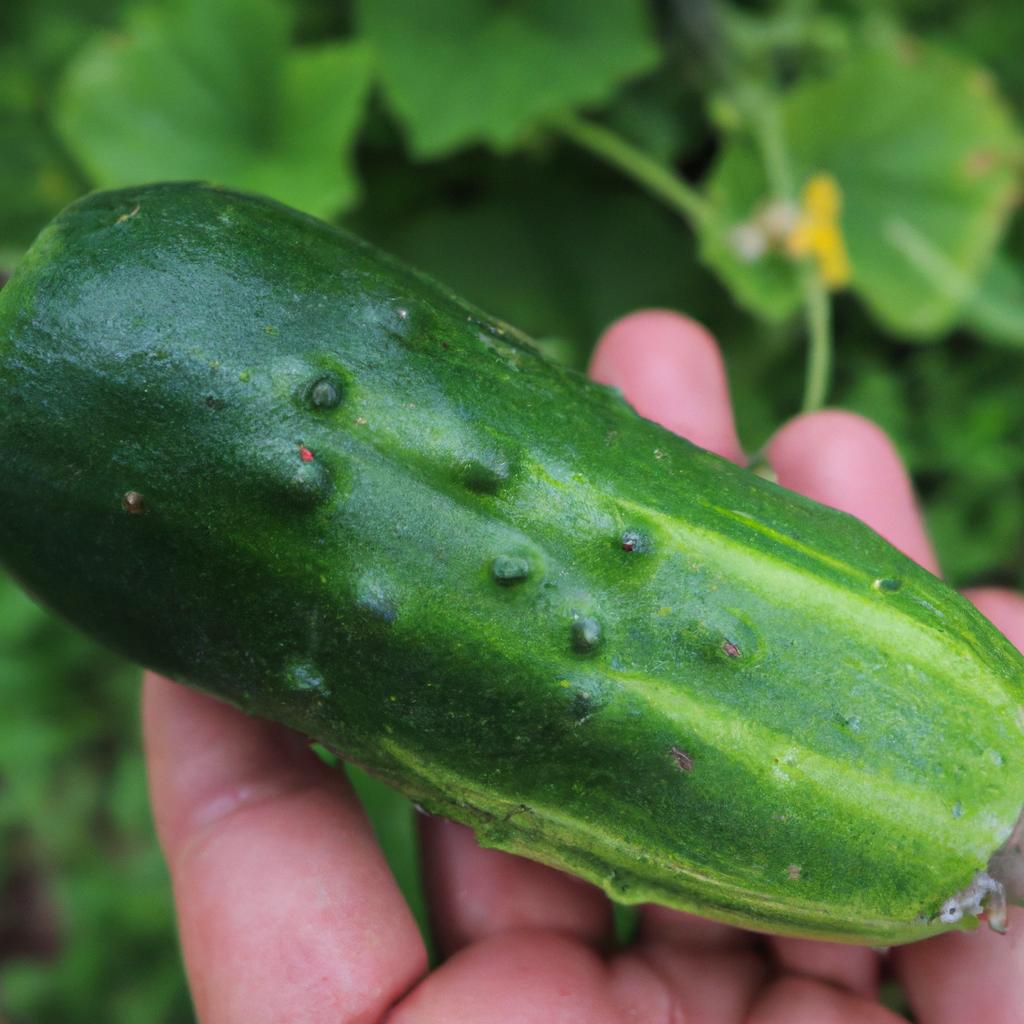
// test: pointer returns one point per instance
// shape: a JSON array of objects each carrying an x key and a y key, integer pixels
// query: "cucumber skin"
[{"x": 706, "y": 691}]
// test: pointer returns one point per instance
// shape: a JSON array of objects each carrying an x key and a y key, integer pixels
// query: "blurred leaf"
[
  {"x": 559, "y": 249},
  {"x": 788, "y": 33},
  {"x": 956, "y": 415},
  {"x": 893, "y": 996},
  {"x": 626, "y": 920},
  {"x": 213, "y": 91},
  {"x": 924, "y": 152},
  {"x": 317, "y": 20},
  {"x": 467, "y": 71},
  {"x": 662, "y": 114},
  {"x": 35, "y": 181},
  {"x": 86, "y": 921},
  {"x": 36, "y": 177},
  {"x": 995, "y": 312},
  {"x": 37, "y": 38},
  {"x": 988, "y": 30}
]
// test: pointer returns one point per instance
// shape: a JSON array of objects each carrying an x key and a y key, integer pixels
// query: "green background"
[{"x": 432, "y": 127}]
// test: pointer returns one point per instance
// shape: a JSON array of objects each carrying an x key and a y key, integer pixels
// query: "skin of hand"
[{"x": 288, "y": 913}]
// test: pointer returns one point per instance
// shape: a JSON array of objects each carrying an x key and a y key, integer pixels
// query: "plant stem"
[
  {"x": 657, "y": 179},
  {"x": 664, "y": 184},
  {"x": 818, "y": 311},
  {"x": 763, "y": 113}
]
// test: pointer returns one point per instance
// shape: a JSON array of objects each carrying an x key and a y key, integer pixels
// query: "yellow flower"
[{"x": 818, "y": 233}]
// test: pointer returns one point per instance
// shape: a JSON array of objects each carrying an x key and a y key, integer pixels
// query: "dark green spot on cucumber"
[
  {"x": 588, "y": 695},
  {"x": 306, "y": 678},
  {"x": 309, "y": 484},
  {"x": 374, "y": 600},
  {"x": 510, "y": 569},
  {"x": 324, "y": 394},
  {"x": 487, "y": 473},
  {"x": 586, "y": 634}
]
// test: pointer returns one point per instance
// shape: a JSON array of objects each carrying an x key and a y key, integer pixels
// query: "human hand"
[{"x": 288, "y": 913}]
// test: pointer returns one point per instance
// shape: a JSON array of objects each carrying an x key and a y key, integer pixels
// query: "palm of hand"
[{"x": 288, "y": 912}]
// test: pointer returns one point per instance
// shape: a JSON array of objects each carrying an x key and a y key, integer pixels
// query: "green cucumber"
[{"x": 252, "y": 452}]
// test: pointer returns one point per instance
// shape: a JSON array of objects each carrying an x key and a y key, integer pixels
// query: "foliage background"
[{"x": 436, "y": 128}]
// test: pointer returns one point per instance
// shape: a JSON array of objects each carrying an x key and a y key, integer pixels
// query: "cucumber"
[{"x": 252, "y": 452}]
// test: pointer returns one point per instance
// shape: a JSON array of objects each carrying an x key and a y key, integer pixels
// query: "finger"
[
  {"x": 538, "y": 977},
  {"x": 671, "y": 371},
  {"x": 661, "y": 981},
  {"x": 854, "y": 968},
  {"x": 531, "y": 977},
  {"x": 475, "y": 893},
  {"x": 966, "y": 976},
  {"x": 679, "y": 929},
  {"x": 287, "y": 910},
  {"x": 974, "y": 976},
  {"x": 803, "y": 1001},
  {"x": 843, "y": 460}
]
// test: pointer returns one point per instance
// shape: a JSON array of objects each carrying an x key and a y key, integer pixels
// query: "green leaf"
[
  {"x": 37, "y": 38},
  {"x": 995, "y": 312},
  {"x": 76, "y": 845},
  {"x": 925, "y": 154},
  {"x": 662, "y": 114},
  {"x": 466, "y": 71},
  {"x": 214, "y": 91},
  {"x": 988, "y": 30},
  {"x": 36, "y": 177},
  {"x": 560, "y": 249},
  {"x": 35, "y": 182}
]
